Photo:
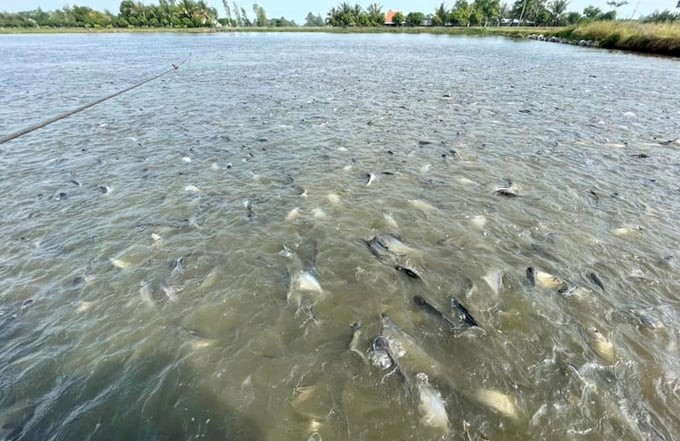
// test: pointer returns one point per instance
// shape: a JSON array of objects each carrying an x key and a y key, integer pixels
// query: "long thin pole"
[{"x": 40, "y": 125}]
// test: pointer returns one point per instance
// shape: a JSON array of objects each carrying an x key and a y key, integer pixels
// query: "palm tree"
[
  {"x": 331, "y": 19},
  {"x": 346, "y": 13},
  {"x": 557, "y": 8},
  {"x": 530, "y": 9},
  {"x": 375, "y": 14}
]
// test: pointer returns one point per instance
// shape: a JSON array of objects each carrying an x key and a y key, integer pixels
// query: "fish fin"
[{"x": 531, "y": 279}]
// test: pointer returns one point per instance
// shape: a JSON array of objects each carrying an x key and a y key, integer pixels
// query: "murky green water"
[{"x": 176, "y": 305}]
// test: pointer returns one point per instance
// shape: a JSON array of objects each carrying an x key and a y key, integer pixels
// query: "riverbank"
[
  {"x": 653, "y": 38},
  {"x": 514, "y": 32}
]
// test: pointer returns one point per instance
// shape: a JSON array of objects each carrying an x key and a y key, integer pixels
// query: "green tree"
[
  {"x": 461, "y": 13},
  {"x": 592, "y": 12},
  {"x": 573, "y": 18},
  {"x": 227, "y": 11},
  {"x": 282, "y": 23},
  {"x": 375, "y": 15},
  {"x": 488, "y": 9},
  {"x": 504, "y": 11},
  {"x": 557, "y": 9},
  {"x": 314, "y": 20},
  {"x": 664, "y": 16},
  {"x": 532, "y": 10},
  {"x": 260, "y": 16},
  {"x": 441, "y": 13},
  {"x": 244, "y": 18},
  {"x": 238, "y": 18},
  {"x": 415, "y": 18},
  {"x": 398, "y": 18}
]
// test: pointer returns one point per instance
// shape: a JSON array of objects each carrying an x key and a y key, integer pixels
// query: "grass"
[{"x": 655, "y": 38}]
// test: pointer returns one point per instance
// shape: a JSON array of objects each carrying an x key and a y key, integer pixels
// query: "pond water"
[{"x": 185, "y": 261}]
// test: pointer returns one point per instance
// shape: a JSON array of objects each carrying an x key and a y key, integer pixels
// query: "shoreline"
[{"x": 656, "y": 39}]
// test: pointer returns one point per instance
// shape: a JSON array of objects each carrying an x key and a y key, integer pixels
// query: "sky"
[{"x": 298, "y": 9}]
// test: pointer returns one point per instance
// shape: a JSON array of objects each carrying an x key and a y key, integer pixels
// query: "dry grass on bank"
[{"x": 657, "y": 38}]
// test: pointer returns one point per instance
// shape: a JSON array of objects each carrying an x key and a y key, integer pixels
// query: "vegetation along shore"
[{"x": 658, "y": 33}]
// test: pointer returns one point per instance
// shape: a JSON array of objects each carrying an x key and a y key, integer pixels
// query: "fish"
[
  {"x": 431, "y": 405},
  {"x": 511, "y": 190},
  {"x": 318, "y": 213},
  {"x": 146, "y": 294},
  {"x": 250, "y": 212},
  {"x": 602, "y": 346},
  {"x": 377, "y": 248},
  {"x": 462, "y": 313},
  {"x": 373, "y": 177},
  {"x": 177, "y": 266},
  {"x": 427, "y": 306},
  {"x": 465, "y": 181},
  {"x": 84, "y": 307},
  {"x": 383, "y": 345},
  {"x": 305, "y": 281},
  {"x": 627, "y": 231},
  {"x": 394, "y": 245},
  {"x": 506, "y": 192},
  {"x": 314, "y": 437},
  {"x": 494, "y": 279},
  {"x": 463, "y": 318},
  {"x": 120, "y": 263},
  {"x": 210, "y": 279},
  {"x": 576, "y": 292},
  {"x": 354, "y": 343},
  {"x": 386, "y": 245},
  {"x": 478, "y": 222},
  {"x": 370, "y": 179},
  {"x": 378, "y": 355},
  {"x": 333, "y": 198},
  {"x": 313, "y": 402},
  {"x": 293, "y": 214},
  {"x": 498, "y": 402},
  {"x": 596, "y": 280},
  {"x": 389, "y": 220},
  {"x": 171, "y": 291},
  {"x": 408, "y": 271},
  {"x": 192, "y": 189},
  {"x": 192, "y": 337},
  {"x": 104, "y": 189},
  {"x": 423, "y": 206},
  {"x": 544, "y": 280},
  {"x": 407, "y": 350}
]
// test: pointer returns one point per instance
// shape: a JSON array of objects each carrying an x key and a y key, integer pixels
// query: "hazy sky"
[{"x": 298, "y": 9}]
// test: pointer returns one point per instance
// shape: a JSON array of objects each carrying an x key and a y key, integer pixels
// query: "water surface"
[{"x": 166, "y": 307}]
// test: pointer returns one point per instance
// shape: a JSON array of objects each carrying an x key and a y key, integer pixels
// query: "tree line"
[
  {"x": 478, "y": 13},
  {"x": 134, "y": 14},
  {"x": 196, "y": 13}
]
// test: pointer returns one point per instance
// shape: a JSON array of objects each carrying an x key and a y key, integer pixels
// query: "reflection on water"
[{"x": 213, "y": 255}]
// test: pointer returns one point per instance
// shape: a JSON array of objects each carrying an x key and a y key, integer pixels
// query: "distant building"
[
  {"x": 514, "y": 22},
  {"x": 389, "y": 16}
]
